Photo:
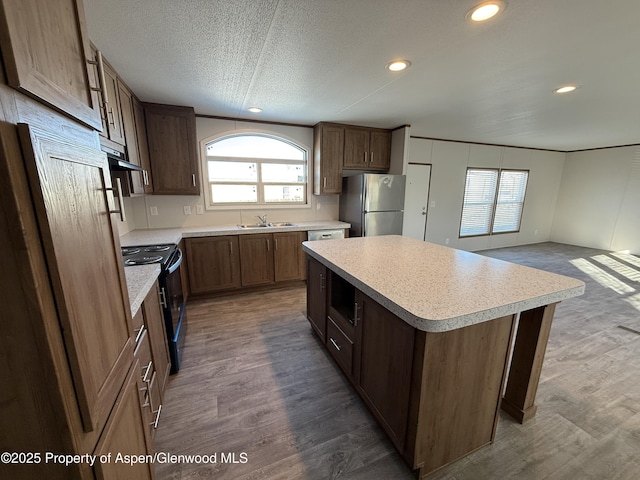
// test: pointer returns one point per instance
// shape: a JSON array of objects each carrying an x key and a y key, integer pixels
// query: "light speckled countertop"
[
  {"x": 436, "y": 288},
  {"x": 140, "y": 279},
  {"x": 174, "y": 235}
]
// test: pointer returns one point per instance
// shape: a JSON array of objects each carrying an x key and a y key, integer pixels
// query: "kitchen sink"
[{"x": 263, "y": 225}]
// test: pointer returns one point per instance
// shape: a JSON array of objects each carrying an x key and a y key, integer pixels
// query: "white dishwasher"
[{"x": 324, "y": 234}]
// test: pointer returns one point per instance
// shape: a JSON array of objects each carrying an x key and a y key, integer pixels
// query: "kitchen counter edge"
[
  {"x": 140, "y": 280},
  {"x": 136, "y": 238}
]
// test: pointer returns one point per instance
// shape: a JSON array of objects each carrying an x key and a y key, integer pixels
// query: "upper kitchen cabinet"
[
  {"x": 135, "y": 135},
  {"x": 367, "y": 148},
  {"x": 328, "y": 152},
  {"x": 337, "y": 147},
  {"x": 112, "y": 114},
  {"x": 171, "y": 135},
  {"x": 46, "y": 55}
]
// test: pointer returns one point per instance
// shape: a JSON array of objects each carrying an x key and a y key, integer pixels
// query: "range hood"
[{"x": 118, "y": 159}]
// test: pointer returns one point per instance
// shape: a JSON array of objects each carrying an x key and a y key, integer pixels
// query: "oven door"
[{"x": 174, "y": 308}]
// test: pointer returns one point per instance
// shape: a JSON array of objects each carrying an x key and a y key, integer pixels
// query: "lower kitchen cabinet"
[
  {"x": 154, "y": 322},
  {"x": 124, "y": 435},
  {"x": 213, "y": 263},
  {"x": 289, "y": 259},
  {"x": 317, "y": 297},
  {"x": 385, "y": 346},
  {"x": 233, "y": 262},
  {"x": 256, "y": 259}
]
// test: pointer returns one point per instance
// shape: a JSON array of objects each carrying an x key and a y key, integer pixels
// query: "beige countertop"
[
  {"x": 174, "y": 235},
  {"x": 436, "y": 288},
  {"x": 140, "y": 279}
]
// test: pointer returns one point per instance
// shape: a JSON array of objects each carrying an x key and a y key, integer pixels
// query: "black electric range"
[{"x": 174, "y": 310}]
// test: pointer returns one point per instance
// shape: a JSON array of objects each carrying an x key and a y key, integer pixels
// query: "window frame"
[
  {"x": 496, "y": 195},
  {"x": 260, "y": 204}
]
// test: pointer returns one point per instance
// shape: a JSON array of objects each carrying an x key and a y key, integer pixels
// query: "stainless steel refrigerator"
[{"x": 373, "y": 204}]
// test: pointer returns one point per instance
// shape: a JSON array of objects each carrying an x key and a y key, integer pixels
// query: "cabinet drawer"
[{"x": 340, "y": 346}]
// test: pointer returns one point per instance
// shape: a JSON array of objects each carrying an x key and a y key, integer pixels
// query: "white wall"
[
  {"x": 171, "y": 207},
  {"x": 449, "y": 162},
  {"x": 599, "y": 201}
]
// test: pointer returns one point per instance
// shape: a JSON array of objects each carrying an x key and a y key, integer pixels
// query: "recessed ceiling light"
[
  {"x": 485, "y": 11},
  {"x": 255, "y": 110},
  {"x": 566, "y": 89},
  {"x": 398, "y": 65}
]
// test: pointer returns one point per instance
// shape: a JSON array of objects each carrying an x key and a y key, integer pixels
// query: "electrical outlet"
[
  {"x": 432, "y": 204},
  {"x": 446, "y": 241},
  {"x": 187, "y": 209},
  {"x": 153, "y": 210},
  {"x": 199, "y": 209}
]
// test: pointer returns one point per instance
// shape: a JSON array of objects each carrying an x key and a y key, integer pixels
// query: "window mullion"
[{"x": 495, "y": 201}]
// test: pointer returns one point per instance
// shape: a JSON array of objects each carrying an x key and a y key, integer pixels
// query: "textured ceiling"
[{"x": 304, "y": 61}]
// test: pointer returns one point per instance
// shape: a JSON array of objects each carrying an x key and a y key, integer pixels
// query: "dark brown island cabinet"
[{"x": 433, "y": 386}]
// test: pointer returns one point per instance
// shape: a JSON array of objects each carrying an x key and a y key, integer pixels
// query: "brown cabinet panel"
[
  {"x": 143, "y": 146},
  {"x": 357, "y": 153},
  {"x": 82, "y": 250},
  {"x": 171, "y": 135},
  {"x": 154, "y": 322},
  {"x": 317, "y": 297},
  {"x": 289, "y": 259},
  {"x": 328, "y": 152},
  {"x": 385, "y": 346},
  {"x": 45, "y": 49},
  {"x": 214, "y": 263},
  {"x": 131, "y": 136},
  {"x": 112, "y": 114},
  {"x": 256, "y": 259},
  {"x": 380, "y": 145},
  {"x": 124, "y": 434}
]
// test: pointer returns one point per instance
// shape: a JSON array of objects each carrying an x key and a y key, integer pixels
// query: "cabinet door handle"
[
  {"x": 113, "y": 116},
  {"x": 193, "y": 179},
  {"x": 145, "y": 177},
  {"x": 371, "y": 157},
  {"x": 163, "y": 298},
  {"x": 355, "y": 314},
  {"x": 324, "y": 184},
  {"x": 146, "y": 372},
  {"x": 323, "y": 280},
  {"x": 268, "y": 247},
  {"x": 154, "y": 424},
  {"x": 335, "y": 344},
  {"x": 101, "y": 78},
  {"x": 138, "y": 332},
  {"x": 275, "y": 244},
  {"x": 230, "y": 247},
  {"x": 119, "y": 196},
  {"x": 365, "y": 157}
]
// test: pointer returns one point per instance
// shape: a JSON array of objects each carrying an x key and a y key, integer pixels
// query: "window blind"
[
  {"x": 479, "y": 199},
  {"x": 511, "y": 190}
]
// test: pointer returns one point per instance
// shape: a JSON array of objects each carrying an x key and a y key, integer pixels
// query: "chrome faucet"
[{"x": 263, "y": 219}]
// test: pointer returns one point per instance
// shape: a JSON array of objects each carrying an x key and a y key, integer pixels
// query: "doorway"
[{"x": 416, "y": 201}]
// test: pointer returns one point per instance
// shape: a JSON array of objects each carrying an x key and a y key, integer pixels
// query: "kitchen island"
[{"x": 424, "y": 333}]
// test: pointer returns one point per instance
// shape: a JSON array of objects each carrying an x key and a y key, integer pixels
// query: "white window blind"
[
  {"x": 493, "y": 201},
  {"x": 511, "y": 190},
  {"x": 479, "y": 198}
]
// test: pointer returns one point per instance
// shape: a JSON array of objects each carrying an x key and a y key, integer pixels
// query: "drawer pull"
[
  {"x": 138, "y": 332},
  {"x": 163, "y": 297},
  {"x": 154, "y": 424},
  {"x": 335, "y": 344},
  {"x": 147, "y": 371}
]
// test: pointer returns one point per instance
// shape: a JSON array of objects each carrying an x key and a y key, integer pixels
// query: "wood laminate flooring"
[{"x": 256, "y": 382}]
